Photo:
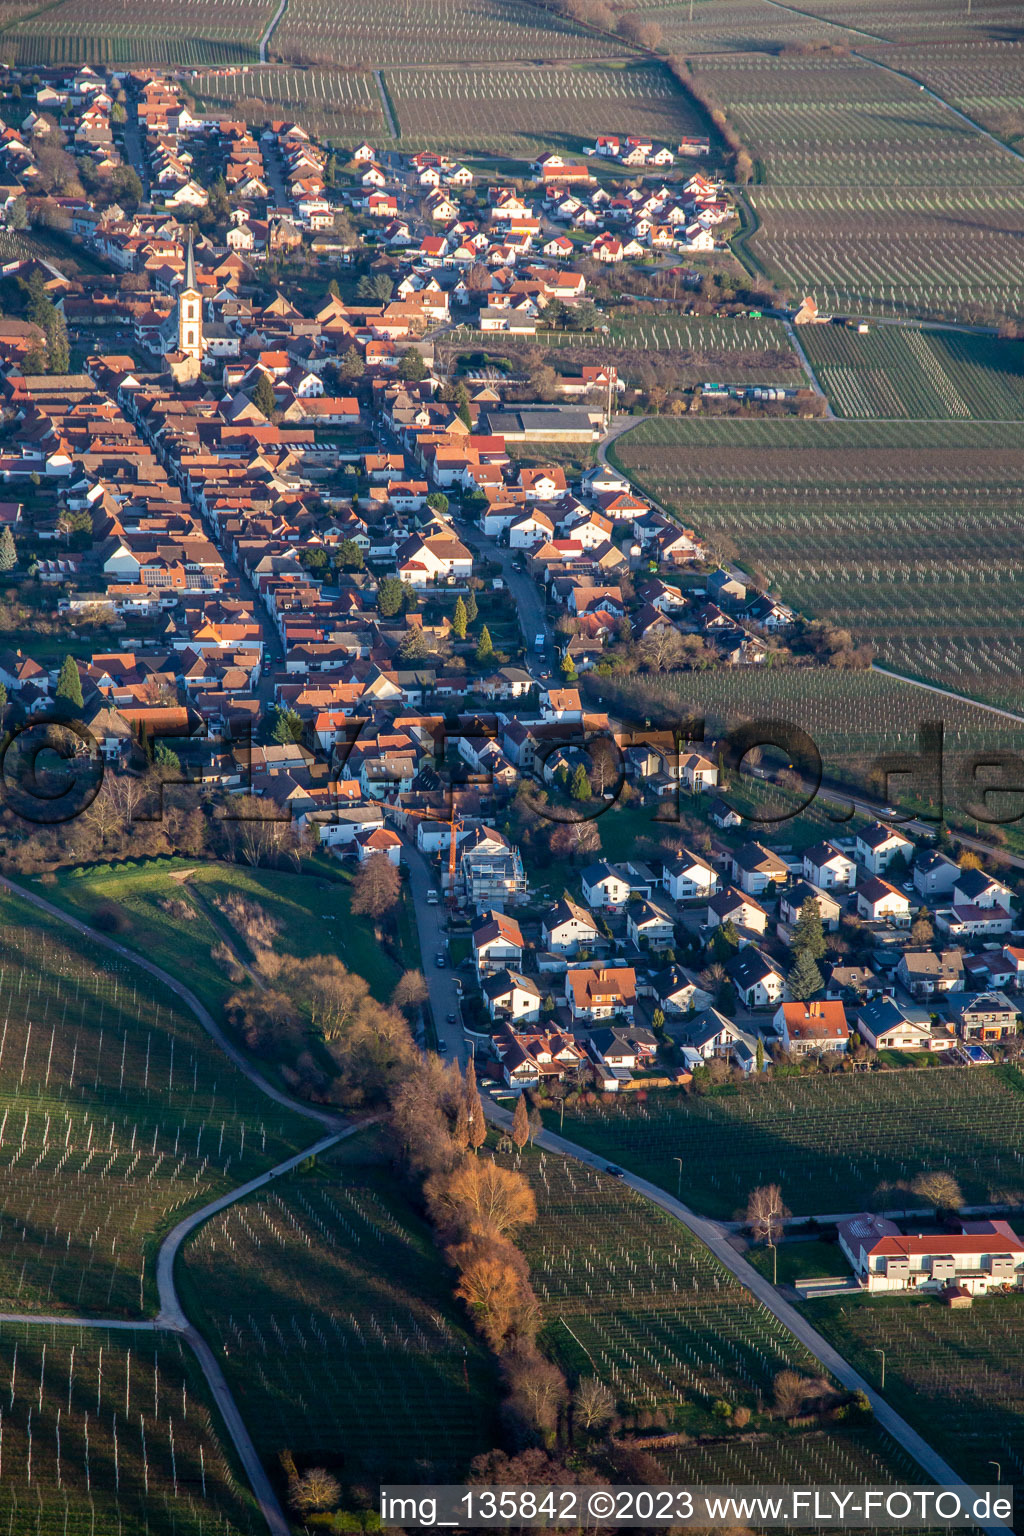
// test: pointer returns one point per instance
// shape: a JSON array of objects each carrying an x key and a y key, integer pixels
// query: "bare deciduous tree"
[{"x": 593, "y": 1403}]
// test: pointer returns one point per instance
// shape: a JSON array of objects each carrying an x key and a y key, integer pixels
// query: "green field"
[
  {"x": 834, "y": 1144},
  {"x": 311, "y": 906},
  {"x": 340, "y": 1340},
  {"x": 901, "y": 372},
  {"x": 118, "y": 1114},
  {"x": 956, "y": 1375},
  {"x": 109, "y": 1432},
  {"x": 822, "y": 510}
]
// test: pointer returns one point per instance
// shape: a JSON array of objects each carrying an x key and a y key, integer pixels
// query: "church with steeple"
[{"x": 182, "y": 336}]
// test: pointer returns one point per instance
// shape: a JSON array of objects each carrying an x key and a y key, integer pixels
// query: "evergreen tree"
[
  {"x": 808, "y": 933},
  {"x": 263, "y": 397},
  {"x": 759, "y": 1055},
  {"x": 438, "y": 502},
  {"x": 69, "y": 685},
  {"x": 460, "y": 618},
  {"x": 59, "y": 347},
  {"x": 462, "y": 410},
  {"x": 352, "y": 366},
  {"x": 484, "y": 650},
  {"x": 412, "y": 368},
  {"x": 804, "y": 979},
  {"x": 166, "y": 760},
  {"x": 390, "y": 597},
  {"x": 569, "y": 670},
  {"x": 287, "y": 727},
  {"x": 580, "y": 784},
  {"x": 8, "y": 551},
  {"x": 471, "y": 608},
  {"x": 349, "y": 556}
]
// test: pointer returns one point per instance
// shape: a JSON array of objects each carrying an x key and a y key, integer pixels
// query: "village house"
[
  {"x": 812, "y": 1028},
  {"x": 755, "y": 868},
  {"x": 758, "y": 981},
  {"x": 601, "y": 993},
  {"x": 569, "y": 927},
  {"x": 497, "y": 943},
  {"x": 984, "y": 1256},
  {"x": 877, "y": 846},
  {"x": 926, "y": 973},
  {"x": 887, "y": 1025},
  {"x": 880, "y": 902},
  {"x": 826, "y": 866}
]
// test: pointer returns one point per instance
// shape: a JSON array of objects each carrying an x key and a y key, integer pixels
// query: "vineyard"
[
  {"x": 983, "y": 79},
  {"x": 117, "y": 1115},
  {"x": 519, "y": 111},
  {"x": 692, "y": 349},
  {"x": 182, "y": 32},
  {"x": 109, "y": 1432},
  {"x": 629, "y": 1294},
  {"x": 823, "y": 509},
  {"x": 407, "y": 32},
  {"x": 341, "y": 1341},
  {"x": 833, "y": 1144},
  {"x": 957, "y": 1376},
  {"x": 332, "y": 103},
  {"x": 876, "y": 195},
  {"x": 899, "y": 372}
]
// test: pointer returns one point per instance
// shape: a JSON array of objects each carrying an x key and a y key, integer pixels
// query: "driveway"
[
  {"x": 533, "y": 620},
  {"x": 431, "y": 923}
]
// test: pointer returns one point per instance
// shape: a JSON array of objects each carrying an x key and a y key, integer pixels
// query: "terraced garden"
[
  {"x": 109, "y": 1432},
  {"x": 340, "y": 1340},
  {"x": 956, "y": 1375},
  {"x": 117, "y": 1115},
  {"x": 901, "y": 372},
  {"x": 833, "y": 1144},
  {"x": 520, "y": 111},
  {"x": 824, "y": 510}
]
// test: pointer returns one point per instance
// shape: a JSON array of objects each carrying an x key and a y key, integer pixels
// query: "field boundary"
[{"x": 271, "y": 28}]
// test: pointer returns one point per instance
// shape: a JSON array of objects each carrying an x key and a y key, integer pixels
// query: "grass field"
[
  {"x": 957, "y": 1376},
  {"x": 311, "y": 907},
  {"x": 109, "y": 1432},
  {"x": 901, "y": 372},
  {"x": 117, "y": 1115},
  {"x": 341, "y": 1341},
  {"x": 519, "y": 111},
  {"x": 833, "y": 1144},
  {"x": 823, "y": 509},
  {"x": 692, "y": 349}
]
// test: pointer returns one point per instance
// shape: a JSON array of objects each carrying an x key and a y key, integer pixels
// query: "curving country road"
[
  {"x": 172, "y": 1315},
  {"x": 710, "y": 1233},
  {"x": 187, "y": 996}
]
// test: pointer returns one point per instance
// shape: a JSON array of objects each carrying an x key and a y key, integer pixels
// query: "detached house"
[
  {"x": 600, "y": 993},
  {"x": 512, "y": 997},
  {"x": 811, "y": 1027},
  {"x": 824, "y": 865},
  {"x": 887, "y": 1026},
  {"x": 878, "y": 845},
  {"x": 754, "y": 868},
  {"x": 497, "y": 942},
  {"x": 568, "y": 927},
  {"x": 880, "y": 902},
  {"x": 925, "y": 973},
  {"x": 985, "y": 1256},
  {"x": 758, "y": 981},
  {"x": 688, "y": 877}
]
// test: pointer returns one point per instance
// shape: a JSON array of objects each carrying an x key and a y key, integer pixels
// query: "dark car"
[
  {"x": 615, "y": 1172},
  {"x": 440, "y": 962}
]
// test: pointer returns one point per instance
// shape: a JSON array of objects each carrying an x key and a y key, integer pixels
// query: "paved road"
[
  {"x": 809, "y": 372},
  {"x": 533, "y": 620},
  {"x": 709, "y": 1233},
  {"x": 431, "y": 923},
  {"x": 268, "y": 34},
  {"x": 389, "y": 116}
]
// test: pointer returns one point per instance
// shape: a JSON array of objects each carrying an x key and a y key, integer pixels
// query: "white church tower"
[{"x": 190, "y": 312}]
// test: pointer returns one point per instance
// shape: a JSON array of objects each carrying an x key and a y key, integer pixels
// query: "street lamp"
[
  {"x": 679, "y": 1184},
  {"x": 999, "y": 1470},
  {"x": 882, "y": 1353}
]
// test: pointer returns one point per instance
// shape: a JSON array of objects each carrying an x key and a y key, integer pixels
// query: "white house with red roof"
[{"x": 984, "y": 1256}]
